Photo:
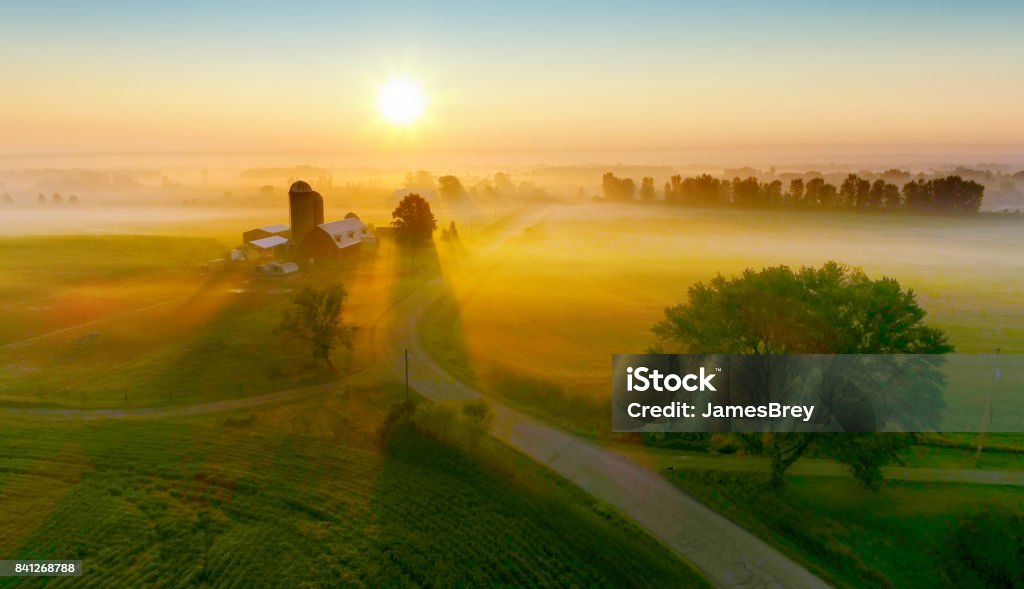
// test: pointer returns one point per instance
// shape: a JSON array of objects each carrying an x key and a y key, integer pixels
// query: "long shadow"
[
  {"x": 440, "y": 330},
  {"x": 453, "y": 516}
]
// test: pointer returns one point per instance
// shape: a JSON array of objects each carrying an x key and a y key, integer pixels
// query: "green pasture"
[
  {"x": 904, "y": 536},
  {"x": 215, "y": 339}
]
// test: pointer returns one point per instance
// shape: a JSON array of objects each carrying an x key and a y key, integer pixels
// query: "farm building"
[
  {"x": 332, "y": 240},
  {"x": 308, "y": 237},
  {"x": 273, "y": 246},
  {"x": 276, "y": 270},
  {"x": 305, "y": 209},
  {"x": 265, "y": 232}
]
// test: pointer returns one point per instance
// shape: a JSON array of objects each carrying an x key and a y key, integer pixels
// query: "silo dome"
[{"x": 300, "y": 186}]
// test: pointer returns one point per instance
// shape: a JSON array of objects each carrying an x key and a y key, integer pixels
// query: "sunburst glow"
[{"x": 401, "y": 101}]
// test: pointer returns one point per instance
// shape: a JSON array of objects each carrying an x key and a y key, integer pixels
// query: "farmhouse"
[{"x": 308, "y": 237}]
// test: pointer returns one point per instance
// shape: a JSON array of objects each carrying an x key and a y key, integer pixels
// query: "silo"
[{"x": 306, "y": 210}]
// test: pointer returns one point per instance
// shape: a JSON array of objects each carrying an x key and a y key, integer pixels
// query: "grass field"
[
  {"x": 540, "y": 327},
  {"x": 303, "y": 495},
  {"x": 49, "y": 283},
  {"x": 162, "y": 337},
  {"x": 899, "y": 538}
]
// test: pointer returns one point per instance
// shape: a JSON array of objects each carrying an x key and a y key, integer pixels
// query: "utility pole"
[
  {"x": 407, "y": 376},
  {"x": 986, "y": 420}
]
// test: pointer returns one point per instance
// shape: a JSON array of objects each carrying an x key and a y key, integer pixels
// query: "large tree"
[
  {"x": 413, "y": 220},
  {"x": 833, "y": 309},
  {"x": 315, "y": 318}
]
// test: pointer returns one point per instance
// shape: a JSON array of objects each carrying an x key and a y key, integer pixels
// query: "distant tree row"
[
  {"x": 451, "y": 189},
  {"x": 947, "y": 194},
  {"x": 56, "y": 199}
]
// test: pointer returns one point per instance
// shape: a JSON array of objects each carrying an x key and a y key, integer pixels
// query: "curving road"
[{"x": 726, "y": 554}]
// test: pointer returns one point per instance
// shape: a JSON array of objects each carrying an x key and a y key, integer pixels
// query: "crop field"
[
  {"x": 303, "y": 495},
  {"x": 540, "y": 327}
]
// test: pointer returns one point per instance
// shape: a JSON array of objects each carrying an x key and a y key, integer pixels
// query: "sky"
[{"x": 533, "y": 77}]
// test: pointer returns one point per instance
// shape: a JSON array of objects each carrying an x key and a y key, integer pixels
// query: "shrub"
[
  {"x": 986, "y": 549},
  {"x": 460, "y": 425}
]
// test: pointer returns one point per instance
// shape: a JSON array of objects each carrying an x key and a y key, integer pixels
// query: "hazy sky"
[{"x": 512, "y": 77}]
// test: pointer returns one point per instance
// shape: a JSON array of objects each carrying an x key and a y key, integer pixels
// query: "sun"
[{"x": 401, "y": 101}]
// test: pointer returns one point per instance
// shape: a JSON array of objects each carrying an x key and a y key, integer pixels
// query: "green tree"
[
  {"x": 954, "y": 194},
  {"x": 413, "y": 220},
  {"x": 451, "y": 188},
  {"x": 748, "y": 193},
  {"x": 617, "y": 189},
  {"x": 674, "y": 190},
  {"x": 917, "y": 195},
  {"x": 315, "y": 318},
  {"x": 812, "y": 191},
  {"x": 833, "y": 309},
  {"x": 796, "y": 191},
  {"x": 891, "y": 196},
  {"x": 827, "y": 195},
  {"x": 419, "y": 180},
  {"x": 876, "y": 197},
  {"x": 854, "y": 192},
  {"x": 773, "y": 193},
  {"x": 647, "y": 191},
  {"x": 704, "y": 190}
]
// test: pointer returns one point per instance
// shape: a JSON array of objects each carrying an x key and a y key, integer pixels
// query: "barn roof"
[
  {"x": 269, "y": 242},
  {"x": 345, "y": 232}
]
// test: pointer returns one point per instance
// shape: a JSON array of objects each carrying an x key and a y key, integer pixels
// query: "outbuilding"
[
  {"x": 273, "y": 246},
  {"x": 252, "y": 235},
  {"x": 276, "y": 270}
]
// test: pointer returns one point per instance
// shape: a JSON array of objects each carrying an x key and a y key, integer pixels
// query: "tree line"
[{"x": 944, "y": 194}]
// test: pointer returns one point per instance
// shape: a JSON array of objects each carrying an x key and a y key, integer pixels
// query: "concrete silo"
[{"x": 305, "y": 208}]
